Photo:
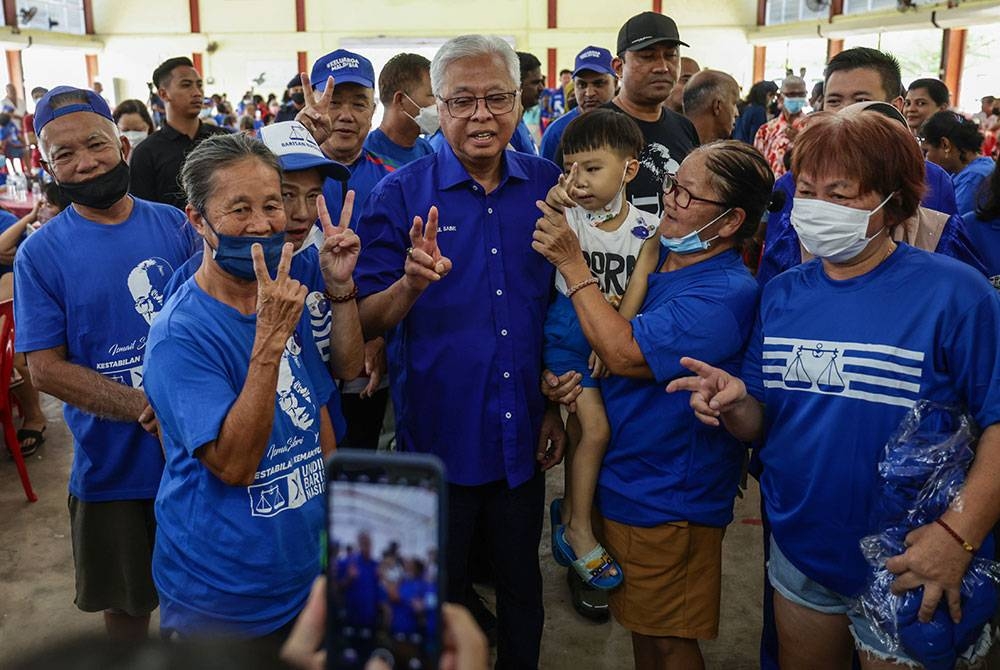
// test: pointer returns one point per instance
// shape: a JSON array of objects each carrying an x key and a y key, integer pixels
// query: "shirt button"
[
  {"x": 506, "y": 375},
  {"x": 493, "y": 251},
  {"x": 508, "y": 415},
  {"x": 499, "y": 292},
  {"x": 504, "y": 332},
  {"x": 475, "y": 188},
  {"x": 489, "y": 211}
]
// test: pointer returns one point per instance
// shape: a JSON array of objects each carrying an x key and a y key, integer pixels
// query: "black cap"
[
  {"x": 295, "y": 81},
  {"x": 646, "y": 29}
]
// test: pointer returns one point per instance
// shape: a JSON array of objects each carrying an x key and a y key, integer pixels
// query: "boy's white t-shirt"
[{"x": 611, "y": 255}]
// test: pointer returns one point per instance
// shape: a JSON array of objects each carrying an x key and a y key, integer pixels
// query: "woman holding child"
[{"x": 666, "y": 485}]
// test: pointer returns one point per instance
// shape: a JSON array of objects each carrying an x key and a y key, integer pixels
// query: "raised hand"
[
  {"x": 424, "y": 262},
  {"x": 341, "y": 247},
  {"x": 554, "y": 239},
  {"x": 713, "y": 391},
  {"x": 314, "y": 114},
  {"x": 279, "y": 300},
  {"x": 559, "y": 196}
]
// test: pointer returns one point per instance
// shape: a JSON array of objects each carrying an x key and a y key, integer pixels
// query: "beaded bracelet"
[
  {"x": 347, "y": 297},
  {"x": 958, "y": 538},
  {"x": 579, "y": 285}
]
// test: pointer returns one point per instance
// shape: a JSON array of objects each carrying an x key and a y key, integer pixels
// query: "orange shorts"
[{"x": 673, "y": 578}]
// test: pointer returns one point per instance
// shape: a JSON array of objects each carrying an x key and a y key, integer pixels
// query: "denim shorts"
[{"x": 791, "y": 583}]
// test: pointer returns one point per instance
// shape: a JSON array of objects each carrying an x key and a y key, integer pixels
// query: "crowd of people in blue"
[{"x": 644, "y": 300}]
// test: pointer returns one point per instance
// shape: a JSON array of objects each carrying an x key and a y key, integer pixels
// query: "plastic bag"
[{"x": 921, "y": 473}]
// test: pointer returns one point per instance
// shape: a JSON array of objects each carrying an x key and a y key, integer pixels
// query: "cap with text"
[
  {"x": 45, "y": 113},
  {"x": 346, "y": 67},
  {"x": 593, "y": 59},
  {"x": 646, "y": 29},
  {"x": 297, "y": 150}
]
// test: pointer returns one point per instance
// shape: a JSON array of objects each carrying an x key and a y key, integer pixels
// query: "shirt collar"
[
  {"x": 452, "y": 173},
  {"x": 172, "y": 133}
]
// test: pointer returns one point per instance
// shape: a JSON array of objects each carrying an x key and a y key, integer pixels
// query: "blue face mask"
[
  {"x": 691, "y": 243},
  {"x": 794, "y": 105},
  {"x": 233, "y": 253}
]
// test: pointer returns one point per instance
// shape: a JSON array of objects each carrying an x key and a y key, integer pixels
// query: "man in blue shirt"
[
  {"x": 465, "y": 344},
  {"x": 83, "y": 325},
  {"x": 532, "y": 85},
  {"x": 340, "y": 127},
  {"x": 594, "y": 83},
  {"x": 404, "y": 87}
]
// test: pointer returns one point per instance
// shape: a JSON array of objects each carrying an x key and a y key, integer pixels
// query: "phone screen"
[{"x": 384, "y": 530}]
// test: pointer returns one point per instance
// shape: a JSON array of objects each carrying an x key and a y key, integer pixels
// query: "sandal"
[
  {"x": 596, "y": 568},
  {"x": 555, "y": 518},
  {"x": 37, "y": 438}
]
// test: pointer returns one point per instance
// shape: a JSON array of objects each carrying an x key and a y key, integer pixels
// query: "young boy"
[{"x": 601, "y": 152}]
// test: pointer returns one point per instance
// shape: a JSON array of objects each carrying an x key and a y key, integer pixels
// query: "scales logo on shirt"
[
  {"x": 290, "y": 490},
  {"x": 146, "y": 283},
  {"x": 872, "y": 372}
]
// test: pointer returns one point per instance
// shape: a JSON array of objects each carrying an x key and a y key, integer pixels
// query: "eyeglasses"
[
  {"x": 464, "y": 106},
  {"x": 682, "y": 196}
]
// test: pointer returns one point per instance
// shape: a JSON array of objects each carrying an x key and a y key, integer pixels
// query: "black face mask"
[
  {"x": 102, "y": 191},
  {"x": 299, "y": 98}
]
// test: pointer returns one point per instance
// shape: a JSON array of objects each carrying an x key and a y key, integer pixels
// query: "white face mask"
[
  {"x": 580, "y": 216},
  {"x": 135, "y": 136},
  {"x": 427, "y": 118},
  {"x": 831, "y": 231}
]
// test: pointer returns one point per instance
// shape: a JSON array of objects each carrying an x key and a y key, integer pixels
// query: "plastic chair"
[{"x": 6, "y": 404}]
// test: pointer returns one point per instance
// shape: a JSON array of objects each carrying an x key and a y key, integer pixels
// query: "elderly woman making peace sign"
[{"x": 241, "y": 395}]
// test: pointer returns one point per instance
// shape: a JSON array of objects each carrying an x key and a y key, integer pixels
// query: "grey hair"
[
  {"x": 792, "y": 79},
  {"x": 215, "y": 153},
  {"x": 74, "y": 98},
  {"x": 468, "y": 46},
  {"x": 706, "y": 87}
]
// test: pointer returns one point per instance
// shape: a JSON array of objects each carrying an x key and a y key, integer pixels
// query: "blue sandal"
[
  {"x": 597, "y": 568},
  {"x": 555, "y": 518}
]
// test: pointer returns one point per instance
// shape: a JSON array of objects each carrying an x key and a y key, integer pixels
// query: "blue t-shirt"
[
  {"x": 393, "y": 155},
  {"x": 362, "y": 592},
  {"x": 749, "y": 122},
  {"x": 984, "y": 236},
  {"x": 522, "y": 140},
  {"x": 232, "y": 559},
  {"x": 553, "y": 134},
  {"x": 94, "y": 288},
  {"x": 6, "y": 221},
  {"x": 968, "y": 181},
  {"x": 366, "y": 172},
  {"x": 404, "y": 611},
  {"x": 837, "y": 365},
  {"x": 466, "y": 360},
  {"x": 304, "y": 269},
  {"x": 662, "y": 464}
]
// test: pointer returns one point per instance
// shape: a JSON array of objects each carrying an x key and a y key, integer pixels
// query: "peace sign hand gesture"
[
  {"x": 424, "y": 262},
  {"x": 314, "y": 114},
  {"x": 279, "y": 300},
  {"x": 560, "y": 196},
  {"x": 341, "y": 246}
]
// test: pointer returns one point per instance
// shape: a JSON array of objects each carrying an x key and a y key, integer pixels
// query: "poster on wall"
[{"x": 57, "y": 16}]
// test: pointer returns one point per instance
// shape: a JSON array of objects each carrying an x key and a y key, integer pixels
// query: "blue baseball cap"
[
  {"x": 44, "y": 112},
  {"x": 296, "y": 150},
  {"x": 595, "y": 59},
  {"x": 345, "y": 67}
]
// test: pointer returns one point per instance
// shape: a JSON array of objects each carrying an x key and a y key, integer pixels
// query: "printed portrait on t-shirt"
[
  {"x": 146, "y": 283},
  {"x": 294, "y": 396}
]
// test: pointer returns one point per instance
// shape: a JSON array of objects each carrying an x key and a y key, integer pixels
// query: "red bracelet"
[
  {"x": 958, "y": 538},
  {"x": 347, "y": 297},
  {"x": 579, "y": 285}
]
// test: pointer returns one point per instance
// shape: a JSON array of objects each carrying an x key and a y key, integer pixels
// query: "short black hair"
[
  {"x": 603, "y": 129},
  {"x": 960, "y": 131},
  {"x": 935, "y": 88},
  {"x": 163, "y": 72},
  {"x": 562, "y": 72},
  {"x": 868, "y": 59},
  {"x": 133, "y": 107},
  {"x": 401, "y": 73},
  {"x": 528, "y": 62}
]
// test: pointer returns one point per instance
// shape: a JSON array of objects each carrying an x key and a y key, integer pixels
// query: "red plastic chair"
[{"x": 6, "y": 404}]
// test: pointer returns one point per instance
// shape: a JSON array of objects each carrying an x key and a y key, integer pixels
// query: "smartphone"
[{"x": 385, "y": 560}]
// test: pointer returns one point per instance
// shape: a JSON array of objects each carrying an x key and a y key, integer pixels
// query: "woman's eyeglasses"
[{"x": 682, "y": 196}]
